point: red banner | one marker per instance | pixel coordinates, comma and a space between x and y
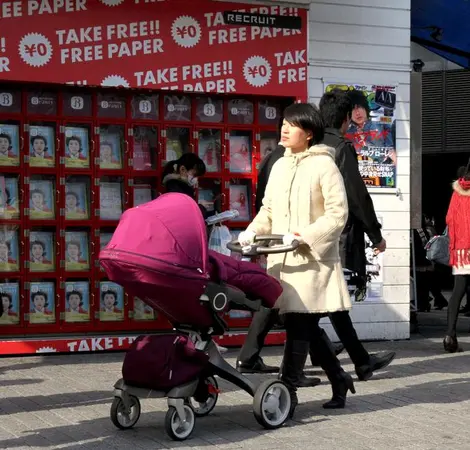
152, 44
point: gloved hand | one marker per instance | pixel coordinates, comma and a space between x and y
291, 237
246, 238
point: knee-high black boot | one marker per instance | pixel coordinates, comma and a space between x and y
295, 355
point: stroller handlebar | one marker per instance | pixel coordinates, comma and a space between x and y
263, 245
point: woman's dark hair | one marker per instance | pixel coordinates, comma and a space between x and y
188, 160
10, 299
110, 292
335, 108
41, 138
307, 117
463, 172
358, 98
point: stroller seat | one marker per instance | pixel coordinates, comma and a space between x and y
248, 277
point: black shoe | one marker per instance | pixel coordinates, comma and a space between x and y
340, 392
258, 367
305, 381
338, 348
440, 304
451, 344
376, 362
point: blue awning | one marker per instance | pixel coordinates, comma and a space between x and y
449, 21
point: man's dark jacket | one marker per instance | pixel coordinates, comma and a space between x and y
362, 217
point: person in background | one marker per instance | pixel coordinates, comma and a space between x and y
458, 222
306, 202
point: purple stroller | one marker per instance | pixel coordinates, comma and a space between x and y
159, 253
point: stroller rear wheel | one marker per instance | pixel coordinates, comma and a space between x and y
204, 408
122, 416
271, 404
179, 429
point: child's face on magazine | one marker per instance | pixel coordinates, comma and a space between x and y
37, 251
106, 152
3, 251
39, 302
4, 144
109, 301
5, 303
38, 200
71, 201
38, 146
74, 147
74, 301
73, 251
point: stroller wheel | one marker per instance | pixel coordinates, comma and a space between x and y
178, 429
123, 417
271, 404
202, 409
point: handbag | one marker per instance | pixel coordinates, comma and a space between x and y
437, 249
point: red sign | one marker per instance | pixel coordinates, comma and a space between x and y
152, 44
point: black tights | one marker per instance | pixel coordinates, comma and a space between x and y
461, 283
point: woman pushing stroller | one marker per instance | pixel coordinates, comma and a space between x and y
305, 200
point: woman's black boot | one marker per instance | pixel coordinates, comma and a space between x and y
340, 387
295, 355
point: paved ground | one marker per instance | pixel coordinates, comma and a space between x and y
421, 402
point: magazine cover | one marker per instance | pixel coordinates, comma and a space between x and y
240, 154
42, 254
41, 199
3, 198
76, 201
269, 113
77, 301
104, 239
267, 145
9, 250
238, 195
77, 147
42, 304
10, 297
9, 198
209, 109
9, 145
145, 147
145, 107
77, 257
111, 302
142, 194
241, 111
210, 152
42, 146
110, 151
110, 201
142, 311
206, 199
177, 108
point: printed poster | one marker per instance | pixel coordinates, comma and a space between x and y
76, 201
77, 301
111, 302
77, 256
240, 154
77, 150
9, 208
42, 302
10, 304
152, 45
42, 146
110, 151
142, 311
110, 201
372, 131
9, 254
42, 255
142, 194
9, 145
239, 200
41, 199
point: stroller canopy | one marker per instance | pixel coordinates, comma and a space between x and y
167, 235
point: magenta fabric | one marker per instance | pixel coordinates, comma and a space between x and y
246, 276
163, 362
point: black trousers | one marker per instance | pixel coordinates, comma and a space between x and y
261, 324
461, 284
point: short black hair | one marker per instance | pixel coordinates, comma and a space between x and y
188, 160
463, 172
335, 108
307, 117
359, 99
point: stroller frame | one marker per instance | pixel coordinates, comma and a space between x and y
271, 398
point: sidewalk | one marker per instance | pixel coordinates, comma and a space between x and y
421, 402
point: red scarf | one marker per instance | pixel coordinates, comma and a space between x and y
458, 220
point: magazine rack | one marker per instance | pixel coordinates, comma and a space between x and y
72, 160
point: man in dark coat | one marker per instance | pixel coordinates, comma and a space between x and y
336, 109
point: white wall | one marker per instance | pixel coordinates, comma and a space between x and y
369, 41
432, 62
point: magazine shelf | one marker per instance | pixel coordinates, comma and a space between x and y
73, 160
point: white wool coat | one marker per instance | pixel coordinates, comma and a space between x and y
305, 194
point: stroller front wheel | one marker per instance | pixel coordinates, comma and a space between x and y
202, 409
271, 404
122, 416
179, 428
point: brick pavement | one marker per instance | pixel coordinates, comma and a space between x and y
421, 402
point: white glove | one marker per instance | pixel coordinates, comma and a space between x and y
291, 237
246, 238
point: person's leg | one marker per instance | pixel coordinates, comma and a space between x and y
460, 287
295, 352
341, 382
435, 286
337, 348
249, 360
